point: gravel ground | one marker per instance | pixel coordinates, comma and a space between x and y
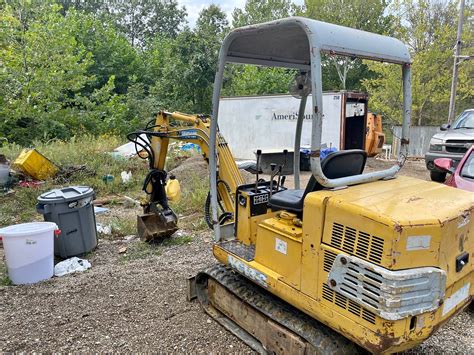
136, 301
118, 305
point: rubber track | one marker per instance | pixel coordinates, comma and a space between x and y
323, 339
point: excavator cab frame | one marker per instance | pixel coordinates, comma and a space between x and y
299, 43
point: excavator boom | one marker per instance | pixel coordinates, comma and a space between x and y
158, 220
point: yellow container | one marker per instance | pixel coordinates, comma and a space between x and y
32, 163
173, 189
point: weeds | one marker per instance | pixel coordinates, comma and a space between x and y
94, 154
123, 227
141, 250
4, 279
179, 240
194, 194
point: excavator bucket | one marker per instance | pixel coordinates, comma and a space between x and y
153, 227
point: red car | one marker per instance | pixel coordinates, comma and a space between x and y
462, 176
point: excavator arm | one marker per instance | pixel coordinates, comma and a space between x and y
158, 220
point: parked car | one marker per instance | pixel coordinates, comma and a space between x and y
463, 175
452, 142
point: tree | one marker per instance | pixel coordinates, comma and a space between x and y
251, 80
141, 20
44, 67
366, 15
429, 29
188, 63
50, 86
212, 23
258, 11
112, 54
254, 80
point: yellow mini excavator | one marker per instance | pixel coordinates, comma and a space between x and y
352, 262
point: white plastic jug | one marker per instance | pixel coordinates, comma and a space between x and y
29, 251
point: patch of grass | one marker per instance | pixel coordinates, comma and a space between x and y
94, 154
122, 227
89, 254
193, 196
4, 279
178, 240
195, 222
140, 250
20, 206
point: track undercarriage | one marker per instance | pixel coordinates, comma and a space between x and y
264, 322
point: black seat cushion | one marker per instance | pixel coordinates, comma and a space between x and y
290, 200
336, 165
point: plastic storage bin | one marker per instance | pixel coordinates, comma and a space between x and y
305, 161
34, 164
72, 210
29, 251
4, 174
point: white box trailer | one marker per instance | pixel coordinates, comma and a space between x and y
269, 121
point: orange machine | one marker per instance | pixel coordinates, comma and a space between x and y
375, 137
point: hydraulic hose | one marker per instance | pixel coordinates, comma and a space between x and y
225, 216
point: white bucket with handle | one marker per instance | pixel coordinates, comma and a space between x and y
29, 251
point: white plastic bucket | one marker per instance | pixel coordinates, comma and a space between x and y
29, 249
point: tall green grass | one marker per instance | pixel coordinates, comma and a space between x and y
94, 154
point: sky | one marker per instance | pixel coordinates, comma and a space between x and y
193, 7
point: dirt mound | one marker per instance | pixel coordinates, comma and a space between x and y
189, 169
197, 166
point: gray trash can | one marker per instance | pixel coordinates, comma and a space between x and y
72, 210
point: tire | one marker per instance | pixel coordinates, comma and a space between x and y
437, 176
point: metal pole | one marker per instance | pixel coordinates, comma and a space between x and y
299, 128
457, 50
213, 159
407, 102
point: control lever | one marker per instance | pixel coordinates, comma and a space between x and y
272, 175
259, 153
280, 168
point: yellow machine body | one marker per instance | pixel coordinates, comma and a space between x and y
378, 222
398, 224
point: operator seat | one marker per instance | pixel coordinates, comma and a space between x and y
336, 165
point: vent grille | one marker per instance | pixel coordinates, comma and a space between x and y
358, 243
347, 304
329, 257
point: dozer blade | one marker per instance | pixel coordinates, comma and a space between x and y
152, 226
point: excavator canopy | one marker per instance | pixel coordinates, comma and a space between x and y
299, 43
289, 43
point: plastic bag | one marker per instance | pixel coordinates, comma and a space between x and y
70, 266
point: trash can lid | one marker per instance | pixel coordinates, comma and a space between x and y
66, 194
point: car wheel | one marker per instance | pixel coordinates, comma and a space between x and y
437, 176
